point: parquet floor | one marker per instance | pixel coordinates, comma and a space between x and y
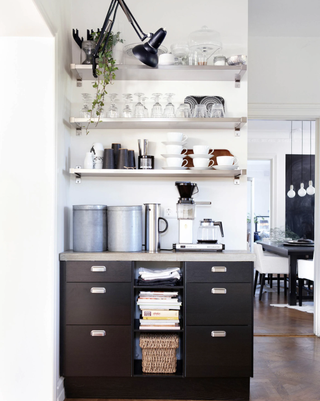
286, 354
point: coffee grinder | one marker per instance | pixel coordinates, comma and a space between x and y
186, 213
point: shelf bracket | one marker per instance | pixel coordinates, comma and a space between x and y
78, 175
79, 82
78, 130
237, 130
236, 179
237, 80
78, 178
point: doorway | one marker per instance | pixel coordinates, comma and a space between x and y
269, 145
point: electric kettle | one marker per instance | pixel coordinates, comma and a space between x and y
206, 232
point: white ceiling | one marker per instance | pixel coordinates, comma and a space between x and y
295, 18
22, 18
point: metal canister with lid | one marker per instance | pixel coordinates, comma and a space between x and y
124, 228
89, 228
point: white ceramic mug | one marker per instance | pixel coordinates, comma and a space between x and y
175, 150
226, 160
176, 162
176, 137
202, 162
202, 150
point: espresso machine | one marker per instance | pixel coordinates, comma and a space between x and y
186, 213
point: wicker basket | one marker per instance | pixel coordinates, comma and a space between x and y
159, 353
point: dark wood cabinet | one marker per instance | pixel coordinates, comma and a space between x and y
99, 353
219, 351
218, 303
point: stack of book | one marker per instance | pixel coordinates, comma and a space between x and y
159, 310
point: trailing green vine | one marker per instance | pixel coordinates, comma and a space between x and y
105, 76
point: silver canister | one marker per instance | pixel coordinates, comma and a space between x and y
89, 228
152, 227
124, 228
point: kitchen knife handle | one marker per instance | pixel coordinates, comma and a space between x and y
218, 269
96, 269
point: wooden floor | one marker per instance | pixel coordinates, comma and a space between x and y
286, 354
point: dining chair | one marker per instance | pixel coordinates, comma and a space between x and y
305, 272
266, 263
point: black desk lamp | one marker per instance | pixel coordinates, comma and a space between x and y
147, 52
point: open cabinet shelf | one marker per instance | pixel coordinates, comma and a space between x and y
235, 123
91, 173
167, 72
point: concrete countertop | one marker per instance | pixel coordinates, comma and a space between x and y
163, 256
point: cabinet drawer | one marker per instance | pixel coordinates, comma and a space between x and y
98, 303
222, 303
107, 354
219, 272
112, 272
219, 351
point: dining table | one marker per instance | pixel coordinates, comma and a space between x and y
293, 252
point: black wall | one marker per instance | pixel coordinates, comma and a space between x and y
300, 210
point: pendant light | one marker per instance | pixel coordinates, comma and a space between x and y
291, 193
302, 192
310, 190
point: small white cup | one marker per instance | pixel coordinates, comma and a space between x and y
176, 162
176, 137
202, 150
175, 150
226, 160
202, 162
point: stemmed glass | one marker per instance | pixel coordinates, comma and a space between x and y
139, 107
87, 99
127, 111
113, 110
156, 111
146, 112
169, 111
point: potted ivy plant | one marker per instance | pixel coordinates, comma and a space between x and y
105, 75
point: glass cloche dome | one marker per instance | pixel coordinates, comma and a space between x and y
205, 42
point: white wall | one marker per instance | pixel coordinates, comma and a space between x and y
27, 221
228, 200
35, 104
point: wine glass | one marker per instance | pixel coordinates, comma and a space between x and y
146, 111
169, 110
156, 111
127, 111
139, 107
113, 110
87, 100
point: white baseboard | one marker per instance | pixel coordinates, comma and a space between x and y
60, 390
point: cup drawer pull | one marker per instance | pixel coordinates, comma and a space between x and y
218, 334
218, 290
97, 269
98, 333
97, 290
218, 269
